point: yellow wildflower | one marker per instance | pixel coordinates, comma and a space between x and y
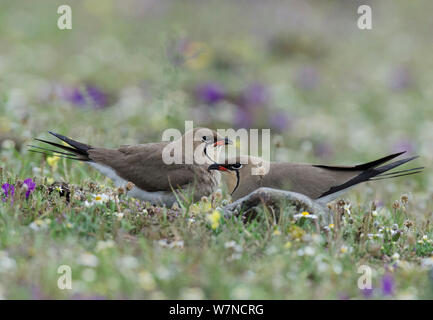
146, 280
305, 213
207, 206
296, 232
52, 161
276, 232
214, 219
5, 124
331, 226
288, 245
197, 55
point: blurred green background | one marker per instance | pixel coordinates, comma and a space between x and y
301, 68
330, 92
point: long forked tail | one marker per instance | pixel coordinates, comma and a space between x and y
376, 173
364, 166
75, 150
395, 174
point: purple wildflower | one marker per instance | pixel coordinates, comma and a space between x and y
387, 284
323, 150
90, 96
403, 145
367, 293
74, 96
30, 186
279, 121
400, 79
255, 95
343, 296
243, 118
37, 293
98, 97
307, 78
210, 93
8, 190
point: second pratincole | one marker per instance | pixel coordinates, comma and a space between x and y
320, 182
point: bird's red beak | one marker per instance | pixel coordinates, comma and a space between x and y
216, 166
222, 142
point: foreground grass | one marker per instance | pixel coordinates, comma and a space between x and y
118, 247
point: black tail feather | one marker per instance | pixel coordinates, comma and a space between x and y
61, 146
59, 156
77, 145
75, 150
53, 151
364, 166
401, 171
387, 167
373, 174
395, 176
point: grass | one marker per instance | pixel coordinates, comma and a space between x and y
345, 101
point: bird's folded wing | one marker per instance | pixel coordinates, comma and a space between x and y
143, 165
309, 180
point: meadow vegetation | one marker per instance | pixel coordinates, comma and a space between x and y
331, 94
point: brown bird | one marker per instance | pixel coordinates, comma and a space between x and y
144, 166
320, 182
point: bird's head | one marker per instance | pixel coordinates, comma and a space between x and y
243, 167
207, 141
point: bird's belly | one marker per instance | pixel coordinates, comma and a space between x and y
110, 173
158, 197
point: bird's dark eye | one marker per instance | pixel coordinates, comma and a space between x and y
237, 166
204, 138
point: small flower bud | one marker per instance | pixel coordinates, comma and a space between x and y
408, 223
129, 186
175, 206
218, 194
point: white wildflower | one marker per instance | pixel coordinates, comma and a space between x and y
191, 294
233, 245
347, 208
146, 280
101, 198
128, 262
395, 256
88, 275
6, 263
102, 245
88, 259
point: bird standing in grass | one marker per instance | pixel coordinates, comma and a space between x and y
143, 164
320, 182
